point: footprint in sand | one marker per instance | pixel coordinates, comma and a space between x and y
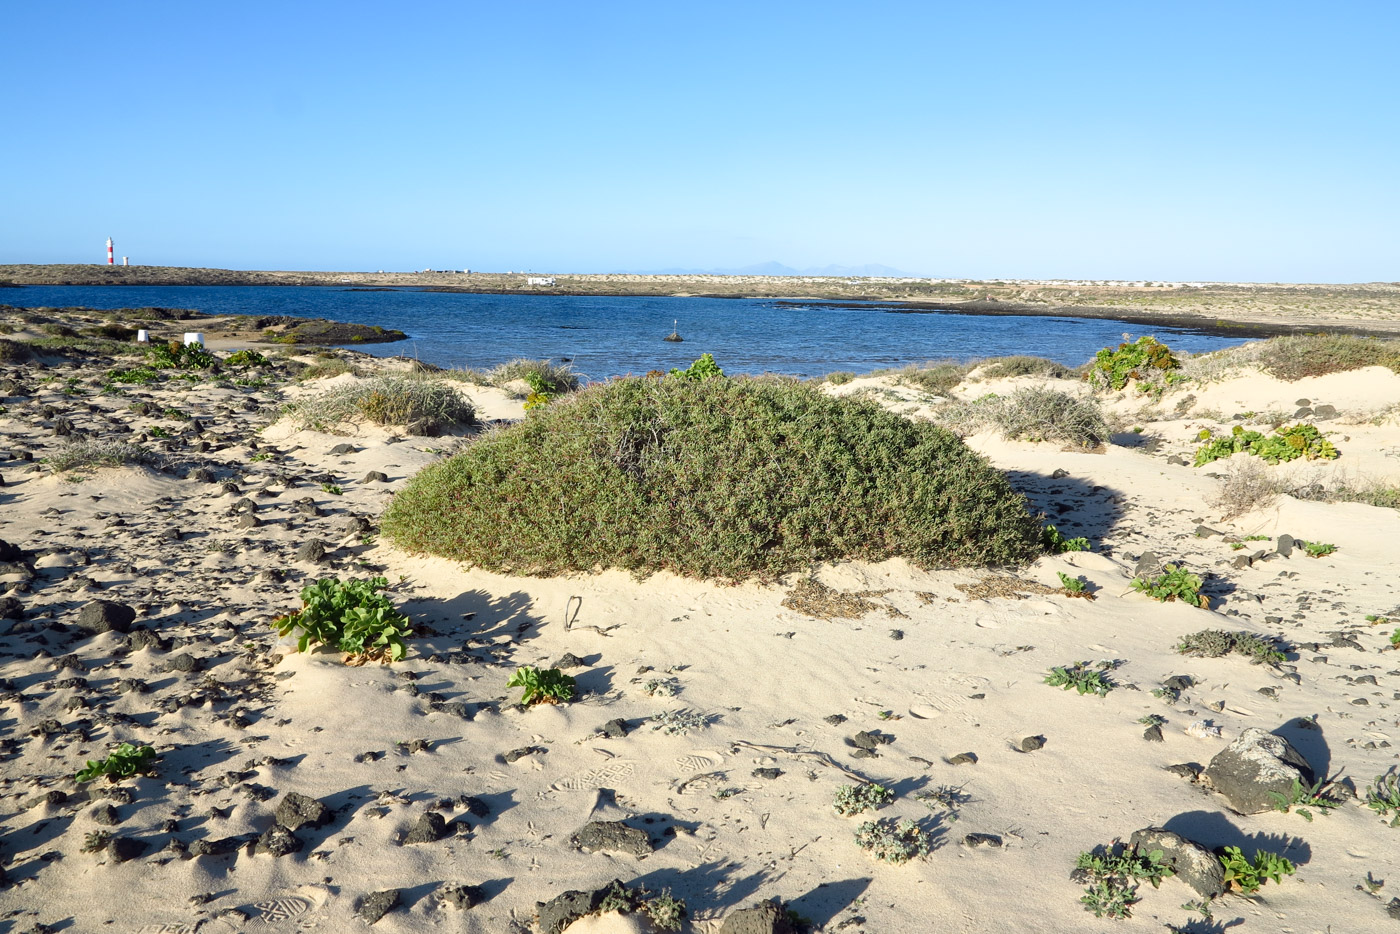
187, 928
596, 778
698, 762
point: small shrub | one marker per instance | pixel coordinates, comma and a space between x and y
542, 685
839, 378
716, 478
1174, 583
856, 799
123, 762
332, 489
1032, 414
1292, 358
247, 358
938, 377
1074, 586
1248, 486
703, 368
383, 400
1003, 367
1246, 877
177, 356
893, 842
1144, 358
556, 379
1081, 677
14, 351
665, 911
78, 454
111, 331
1318, 549
354, 616
678, 722
1285, 444
1111, 873
1213, 643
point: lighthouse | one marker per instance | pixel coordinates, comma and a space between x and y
110, 260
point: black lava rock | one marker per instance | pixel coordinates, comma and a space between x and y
105, 616
298, 810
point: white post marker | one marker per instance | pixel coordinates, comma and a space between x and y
143, 336
194, 337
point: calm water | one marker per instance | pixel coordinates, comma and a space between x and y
605, 336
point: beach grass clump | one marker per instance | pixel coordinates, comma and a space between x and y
1032, 414
1003, 367
938, 377
555, 378
717, 478
1295, 357
1248, 486
79, 454
429, 405
14, 351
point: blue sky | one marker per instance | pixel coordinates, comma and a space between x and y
1172, 140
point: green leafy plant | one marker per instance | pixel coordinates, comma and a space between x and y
703, 368
1174, 583
1112, 873
542, 685
332, 489
96, 841
1056, 543
156, 431
1303, 797
1076, 586
1137, 360
174, 355
136, 374
1246, 877
1285, 444
665, 911
123, 762
247, 358
856, 799
1081, 677
1383, 796
893, 842
1318, 549
353, 615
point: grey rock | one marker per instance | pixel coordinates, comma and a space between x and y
1153, 734
121, 849
297, 810
203, 475
763, 918
614, 729
106, 815
1205, 531
429, 828
964, 758
248, 521
1032, 743
1303, 402
1324, 412
145, 639
423, 428
475, 806
982, 839
871, 740
278, 841
1255, 765
11, 608
312, 550
769, 774
376, 905
460, 896
613, 837
1176, 460
184, 662
835, 719
1149, 565
1059, 474
568, 660
344, 449
1193, 863
376, 476
9, 552
517, 754
562, 910
1286, 544
105, 616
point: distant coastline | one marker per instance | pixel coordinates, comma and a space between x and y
1240, 309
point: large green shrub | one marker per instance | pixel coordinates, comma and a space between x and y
725, 478
1294, 357
1140, 359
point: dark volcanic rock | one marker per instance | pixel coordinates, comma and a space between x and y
313, 550
298, 810
1032, 743
11, 608
568, 660
460, 896
769, 774
377, 904
562, 910
376, 476
613, 837
763, 918
106, 815
121, 849
105, 616
278, 841
981, 839
429, 828
614, 729
184, 662
1193, 863
1252, 767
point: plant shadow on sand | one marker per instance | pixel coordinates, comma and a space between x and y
480, 617
1076, 507
1212, 830
718, 885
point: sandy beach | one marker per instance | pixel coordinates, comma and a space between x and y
137, 603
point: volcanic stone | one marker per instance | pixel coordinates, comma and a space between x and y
460, 896
105, 616
1253, 767
298, 810
612, 836
378, 904
278, 841
121, 849
763, 918
1193, 863
428, 829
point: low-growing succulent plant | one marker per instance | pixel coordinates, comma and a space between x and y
1318, 549
353, 615
542, 685
1081, 677
123, 762
1213, 643
1383, 796
1112, 873
856, 799
891, 841
1303, 797
676, 722
1056, 543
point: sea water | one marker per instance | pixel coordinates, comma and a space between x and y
605, 336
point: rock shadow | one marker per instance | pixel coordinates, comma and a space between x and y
718, 885
1307, 737
828, 899
1213, 830
479, 617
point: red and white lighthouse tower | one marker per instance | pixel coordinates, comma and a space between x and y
110, 260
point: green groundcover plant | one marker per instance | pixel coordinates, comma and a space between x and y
123, 762
1285, 444
1142, 358
728, 478
542, 685
1174, 583
354, 616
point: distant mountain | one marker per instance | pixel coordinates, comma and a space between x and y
774, 268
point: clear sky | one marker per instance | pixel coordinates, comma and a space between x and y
1130, 139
